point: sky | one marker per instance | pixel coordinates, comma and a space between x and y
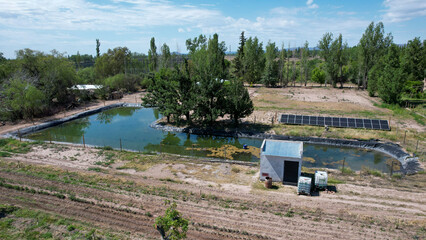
74, 25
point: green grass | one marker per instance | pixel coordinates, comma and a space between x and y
403, 113
5, 154
40, 225
9, 146
333, 181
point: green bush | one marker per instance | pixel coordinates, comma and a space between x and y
145, 82
368, 171
120, 81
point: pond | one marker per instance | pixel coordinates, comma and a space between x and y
130, 127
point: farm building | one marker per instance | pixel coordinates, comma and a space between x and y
281, 161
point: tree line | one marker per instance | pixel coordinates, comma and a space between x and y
202, 83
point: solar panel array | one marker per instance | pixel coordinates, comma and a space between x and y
336, 122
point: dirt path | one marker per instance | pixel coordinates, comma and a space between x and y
124, 200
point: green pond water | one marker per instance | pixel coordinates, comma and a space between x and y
131, 125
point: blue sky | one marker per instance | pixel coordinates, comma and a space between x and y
73, 25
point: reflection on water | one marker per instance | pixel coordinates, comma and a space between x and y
131, 126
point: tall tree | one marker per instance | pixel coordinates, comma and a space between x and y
254, 60
413, 64
339, 57
372, 46
282, 65
112, 62
270, 75
288, 64
238, 102
304, 62
392, 79
78, 60
211, 90
326, 53
165, 56
98, 44
152, 56
162, 93
239, 58
187, 92
2, 58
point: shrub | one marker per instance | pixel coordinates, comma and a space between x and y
235, 170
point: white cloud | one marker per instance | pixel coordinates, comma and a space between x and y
84, 15
311, 4
403, 10
181, 30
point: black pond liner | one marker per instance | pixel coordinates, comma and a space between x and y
409, 164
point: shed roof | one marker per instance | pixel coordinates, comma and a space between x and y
282, 148
86, 87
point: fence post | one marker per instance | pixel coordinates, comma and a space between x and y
121, 147
84, 143
19, 135
405, 135
343, 165
417, 145
391, 173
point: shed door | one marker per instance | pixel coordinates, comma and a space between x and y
291, 172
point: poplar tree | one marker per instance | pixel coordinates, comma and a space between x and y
165, 56
326, 53
372, 46
152, 56
98, 44
254, 61
270, 75
392, 79
413, 63
304, 62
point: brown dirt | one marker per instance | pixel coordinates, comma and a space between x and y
223, 201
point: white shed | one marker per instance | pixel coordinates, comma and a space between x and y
281, 160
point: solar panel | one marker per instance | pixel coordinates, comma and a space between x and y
321, 121
335, 122
284, 118
367, 124
327, 121
376, 124
384, 125
291, 119
359, 123
344, 122
313, 120
351, 123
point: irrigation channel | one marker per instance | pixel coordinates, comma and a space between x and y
129, 128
